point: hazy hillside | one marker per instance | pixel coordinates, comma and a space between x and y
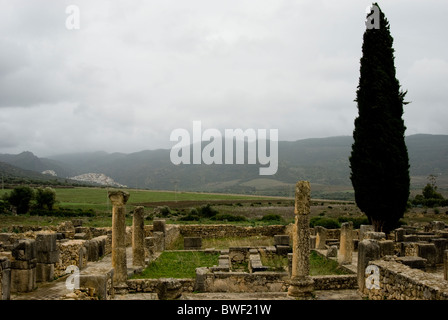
322, 161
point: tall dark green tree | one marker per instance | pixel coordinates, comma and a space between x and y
379, 159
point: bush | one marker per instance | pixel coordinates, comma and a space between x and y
20, 197
190, 217
63, 212
45, 197
207, 211
356, 221
271, 217
228, 217
328, 223
163, 211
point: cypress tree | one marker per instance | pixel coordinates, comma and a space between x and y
379, 159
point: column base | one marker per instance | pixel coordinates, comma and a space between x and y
301, 287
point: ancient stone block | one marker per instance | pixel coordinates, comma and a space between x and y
346, 243
281, 240
159, 241
159, 225
428, 252
332, 252
44, 272
321, 237
399, 234
138, 237
192, 243
368, 250
25, 250
387, 247
48, 256
23, 280
46, 241
441, 245
283, 250
374, 235
412, 262
5, 278
363, 229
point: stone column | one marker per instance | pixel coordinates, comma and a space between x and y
346, 243
138, 237
321, 237
119, 199
445, 265
301, 284
368, 250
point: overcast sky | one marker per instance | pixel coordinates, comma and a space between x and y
136, 70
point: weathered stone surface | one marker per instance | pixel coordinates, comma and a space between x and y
44, 272
138, 237
301, 284
23, 280
346, 243
5, 278
363, 229
119, 199
24, 250
159, 225
281, 240
368, 250
192, 243
321, 237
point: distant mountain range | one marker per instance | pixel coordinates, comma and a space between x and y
322, 161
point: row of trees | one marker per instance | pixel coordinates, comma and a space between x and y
23, 198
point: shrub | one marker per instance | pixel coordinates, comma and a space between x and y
228, 217
20, 197
190, 217
328, 223
45, 197
271, 217
356, 221
163, 211
207, 211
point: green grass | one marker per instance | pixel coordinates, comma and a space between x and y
178, 265
320, 266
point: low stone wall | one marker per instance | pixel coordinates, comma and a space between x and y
166, 288
335, 282
220, 231
396, 281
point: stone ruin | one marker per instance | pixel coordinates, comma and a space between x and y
409, 263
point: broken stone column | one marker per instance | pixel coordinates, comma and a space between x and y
150, 248
445, 265
5, 278
119, 199
23, 266
47, 256
368, 250
138, 237
301, 284
321, 237
346, 243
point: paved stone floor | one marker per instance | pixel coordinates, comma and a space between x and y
56, 289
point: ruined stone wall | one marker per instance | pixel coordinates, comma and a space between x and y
220, 231
166, 288
400, 282
335, 282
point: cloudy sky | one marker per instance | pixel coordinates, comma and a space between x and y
136, 70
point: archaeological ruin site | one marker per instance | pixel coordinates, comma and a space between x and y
73, 262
